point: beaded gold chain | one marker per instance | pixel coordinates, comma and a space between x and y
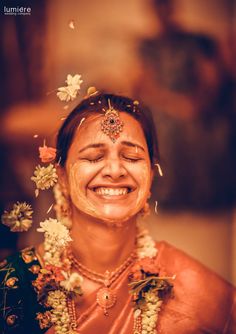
106, 297
72, 314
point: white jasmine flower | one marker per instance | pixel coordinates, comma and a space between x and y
74, 80
69, 92
146, 247
71, 25
56, 297
55, 231
60, 316
151, 297
74, 281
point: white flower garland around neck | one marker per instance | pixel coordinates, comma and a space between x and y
67, 284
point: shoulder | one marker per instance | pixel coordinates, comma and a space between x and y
188, 268
199, 292
18, 301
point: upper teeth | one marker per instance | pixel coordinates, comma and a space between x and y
111, 191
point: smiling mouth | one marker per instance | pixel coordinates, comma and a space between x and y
105, 191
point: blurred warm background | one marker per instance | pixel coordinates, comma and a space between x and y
175, 55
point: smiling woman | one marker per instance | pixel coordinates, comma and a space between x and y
103, 272
117, 172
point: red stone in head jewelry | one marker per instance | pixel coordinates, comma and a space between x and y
111, 124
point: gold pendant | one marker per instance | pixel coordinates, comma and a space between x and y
106, 298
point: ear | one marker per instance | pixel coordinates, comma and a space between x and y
63, 180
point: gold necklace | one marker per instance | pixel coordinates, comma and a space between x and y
106, 297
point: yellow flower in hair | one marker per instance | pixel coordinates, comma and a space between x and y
19, 219
45, 177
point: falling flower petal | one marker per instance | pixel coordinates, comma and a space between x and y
92, 91
156, 203
159, 169
59, 161
52, 91
35, 136
72, 24
50, 208
82, 120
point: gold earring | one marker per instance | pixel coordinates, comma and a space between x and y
145, 211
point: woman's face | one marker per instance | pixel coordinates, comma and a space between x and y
108, 181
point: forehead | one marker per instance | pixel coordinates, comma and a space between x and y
90, 132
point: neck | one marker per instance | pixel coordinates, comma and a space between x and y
99, 246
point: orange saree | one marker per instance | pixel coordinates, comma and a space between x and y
202, 302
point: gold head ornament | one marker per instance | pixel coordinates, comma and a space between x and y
111, 124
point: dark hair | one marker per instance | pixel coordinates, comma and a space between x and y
98, 104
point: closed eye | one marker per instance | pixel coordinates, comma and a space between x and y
132, 159
93, 160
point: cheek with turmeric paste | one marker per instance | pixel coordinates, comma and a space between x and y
77, 188
144, 190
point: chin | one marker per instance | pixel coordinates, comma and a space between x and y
113, 216
115, 222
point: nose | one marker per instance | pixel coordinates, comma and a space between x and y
114, 169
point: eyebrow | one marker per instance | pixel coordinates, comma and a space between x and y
130, 144
101, 145
98, 145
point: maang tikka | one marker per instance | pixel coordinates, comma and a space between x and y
111, 124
